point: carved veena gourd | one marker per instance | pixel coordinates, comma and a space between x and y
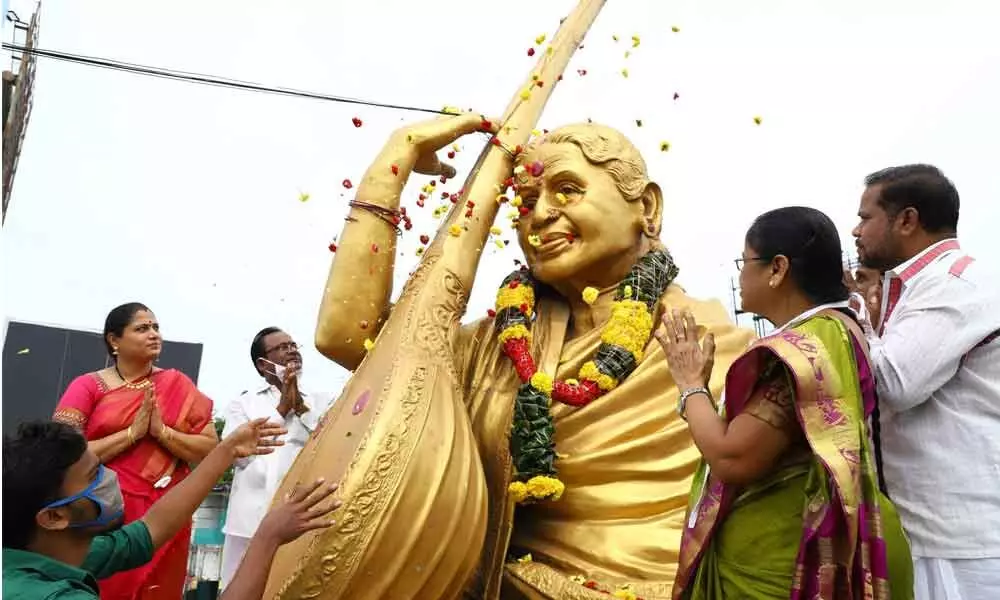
398, 440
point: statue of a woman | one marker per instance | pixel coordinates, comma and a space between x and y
446, 434
626, 459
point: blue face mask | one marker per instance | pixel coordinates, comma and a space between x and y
105, 492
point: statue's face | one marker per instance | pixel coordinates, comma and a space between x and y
579, 230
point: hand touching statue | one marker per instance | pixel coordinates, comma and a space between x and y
690, 362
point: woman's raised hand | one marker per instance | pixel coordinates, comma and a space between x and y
690, 362
140, 424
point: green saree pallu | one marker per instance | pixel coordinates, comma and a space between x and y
819, 528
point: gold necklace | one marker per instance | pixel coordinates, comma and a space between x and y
140, 383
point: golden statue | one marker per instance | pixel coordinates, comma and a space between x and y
420, 439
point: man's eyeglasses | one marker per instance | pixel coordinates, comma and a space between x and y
284, 347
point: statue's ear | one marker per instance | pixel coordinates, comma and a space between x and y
652, 210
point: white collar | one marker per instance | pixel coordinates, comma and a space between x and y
916, 263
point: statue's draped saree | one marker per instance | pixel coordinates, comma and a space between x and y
626, 459
820, 528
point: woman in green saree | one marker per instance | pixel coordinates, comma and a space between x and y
786, 502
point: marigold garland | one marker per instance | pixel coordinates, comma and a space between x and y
622, 342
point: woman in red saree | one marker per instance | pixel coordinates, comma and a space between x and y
787, 501
148, 425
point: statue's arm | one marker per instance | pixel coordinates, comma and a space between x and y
359, 285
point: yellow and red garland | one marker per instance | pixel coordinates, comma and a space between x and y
622, 342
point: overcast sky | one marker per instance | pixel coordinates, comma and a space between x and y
186, 197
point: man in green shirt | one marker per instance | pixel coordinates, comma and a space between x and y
62, 513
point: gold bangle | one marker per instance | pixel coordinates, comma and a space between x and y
131, 436
165, 432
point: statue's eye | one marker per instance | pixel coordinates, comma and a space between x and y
568, 189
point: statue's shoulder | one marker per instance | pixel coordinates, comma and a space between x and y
709, 313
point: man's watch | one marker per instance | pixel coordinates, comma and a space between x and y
682, 401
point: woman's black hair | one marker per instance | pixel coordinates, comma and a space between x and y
809, 239
118, 319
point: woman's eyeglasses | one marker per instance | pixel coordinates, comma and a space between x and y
741, 262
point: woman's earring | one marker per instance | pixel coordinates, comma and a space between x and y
773, 283
114, 351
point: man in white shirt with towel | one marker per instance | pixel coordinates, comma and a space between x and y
276, 357
936, 350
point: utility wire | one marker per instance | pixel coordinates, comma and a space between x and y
201, 78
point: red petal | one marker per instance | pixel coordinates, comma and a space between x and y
491, 313
531, 51
424, 239
395, 169
332, 246
375, 248
356, 121
347, 184
451, 154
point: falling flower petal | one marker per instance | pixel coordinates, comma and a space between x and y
549, 50
535, 132
627, 54
347, 184
625, 73
369, 344
357, 122
424, 239
638, 122
495, 230
614, 37
531, 51
499, 243
451, 110
420, 251
675, 29
676, 95
590, 294
534, 240
394, 169
517, 201
635, 41
24, 351
540, 40
664, 146
757, 120
455, 230
332, 246
581, 72
303, 197
525, 94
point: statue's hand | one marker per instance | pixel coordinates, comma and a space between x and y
427, 137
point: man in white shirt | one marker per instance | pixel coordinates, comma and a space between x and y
937, 363
276, 357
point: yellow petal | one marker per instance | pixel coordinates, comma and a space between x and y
675, 29
664, 146
455, 230
590, 294
534, 240
561, 197
625, 73
369, 344
516, 201
303, 197
499, 243
451, 110
757, 120
525, 94
539, 40
495, 230
635, 41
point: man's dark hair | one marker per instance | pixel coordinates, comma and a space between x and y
257, 345
923, 187
35, 462
810, 241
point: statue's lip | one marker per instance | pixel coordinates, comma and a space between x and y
557, 235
